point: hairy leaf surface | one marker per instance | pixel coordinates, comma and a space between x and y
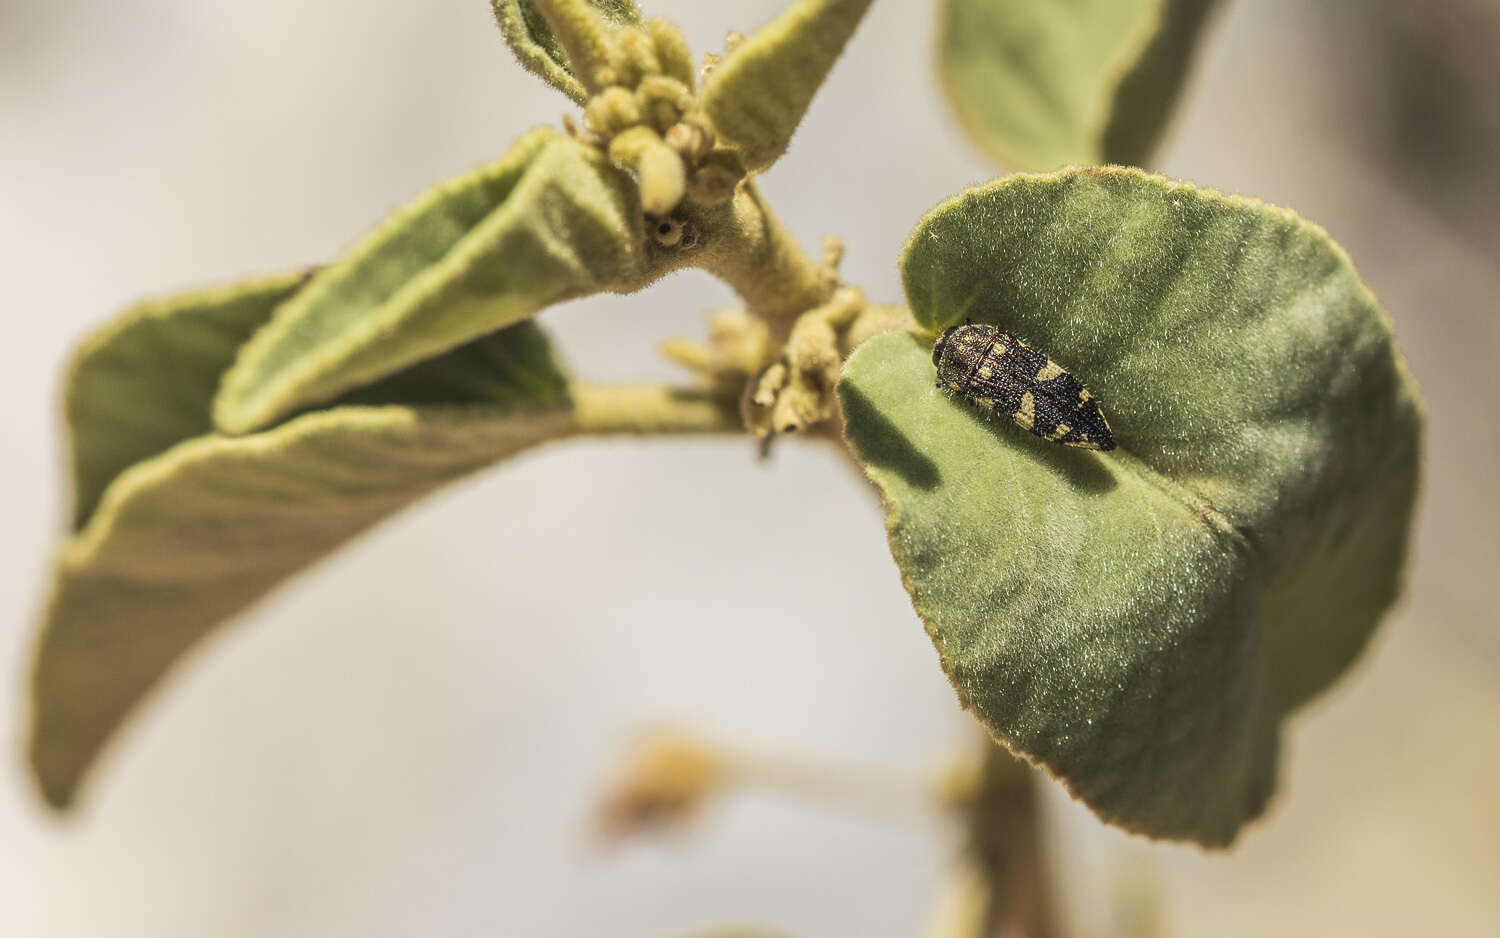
1039, 83
537, 49
146, 381
1140, 621
757, 94
550, 221
190, 534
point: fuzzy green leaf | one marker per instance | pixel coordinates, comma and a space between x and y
147, 380
550, 221
1140, 621
1039, 84
538, 50
757, 94
196, 531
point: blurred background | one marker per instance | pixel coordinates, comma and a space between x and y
410, 739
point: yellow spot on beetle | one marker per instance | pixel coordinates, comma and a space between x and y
1059, 433
1049, 371
1026, 416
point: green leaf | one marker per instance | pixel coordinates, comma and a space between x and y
1039, 84
757, 94
537, 48
550, 221
146, 381
188, 537
1139, 622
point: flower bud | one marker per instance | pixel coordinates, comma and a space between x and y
633, 56
663, 101
672, 51
611, 111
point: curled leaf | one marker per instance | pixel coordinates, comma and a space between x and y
550, 221
1038, 84
756, 95
1139, 622
146, 381
537, 47
191, 534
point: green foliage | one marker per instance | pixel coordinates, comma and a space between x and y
147, 380
1040, 84
1139, 622
550, 221
204, 525
757, 94
537, 48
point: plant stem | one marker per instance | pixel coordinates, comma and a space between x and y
640, 409
671, 776
855, 789
750, 250
1005, 847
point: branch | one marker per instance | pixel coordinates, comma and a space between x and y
642, 409
747, 247
1005, 862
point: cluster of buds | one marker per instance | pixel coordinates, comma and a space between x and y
645, 114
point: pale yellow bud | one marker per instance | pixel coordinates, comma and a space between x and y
657, 167
672, 51
690, 137
611, 111
662, 101
633, 56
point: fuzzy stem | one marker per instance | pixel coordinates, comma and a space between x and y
642, 409
765, 265
849, 788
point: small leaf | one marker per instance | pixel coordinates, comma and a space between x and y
537, 48
757, 94
184, 539
1139, 622
549, 222
146, 381
1038, 84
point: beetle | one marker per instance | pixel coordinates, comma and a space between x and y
1004, 375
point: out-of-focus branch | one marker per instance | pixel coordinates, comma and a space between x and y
1000, 886
670, 778
647, 409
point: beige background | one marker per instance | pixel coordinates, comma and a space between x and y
407, 740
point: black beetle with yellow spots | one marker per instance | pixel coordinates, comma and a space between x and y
1006, 376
